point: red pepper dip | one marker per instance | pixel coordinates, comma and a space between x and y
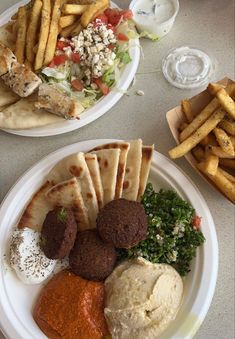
71, 307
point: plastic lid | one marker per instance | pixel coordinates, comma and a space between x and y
186, 67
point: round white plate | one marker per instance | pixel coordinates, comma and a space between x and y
93, 113
17, 299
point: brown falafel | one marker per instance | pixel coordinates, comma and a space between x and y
91, 258
122, 223
58, 233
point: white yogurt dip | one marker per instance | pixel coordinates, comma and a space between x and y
154, 16
27, 259
186, 67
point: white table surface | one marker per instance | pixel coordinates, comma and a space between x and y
208, 25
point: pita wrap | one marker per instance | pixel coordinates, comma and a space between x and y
36, 210
124, 148
6, 37
68, 194
147, 154
132, 173
75, 166
108, 163
7, 97
24, 115
93, 166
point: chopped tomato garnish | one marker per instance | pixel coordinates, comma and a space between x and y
102, 86
102, 18
114, 16
127, 14
196, 221
62, 44
122, 37
77, 85
58, 60
111, 46
75, 57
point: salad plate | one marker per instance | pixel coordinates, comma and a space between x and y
92, 113
17, 299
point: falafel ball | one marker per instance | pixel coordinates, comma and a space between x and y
91, 258
122, 223
58, 233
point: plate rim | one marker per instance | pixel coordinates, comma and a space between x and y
200, 200
93, 112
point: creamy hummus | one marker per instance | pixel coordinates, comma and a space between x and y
142, 299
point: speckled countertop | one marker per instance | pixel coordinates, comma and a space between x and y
208, 25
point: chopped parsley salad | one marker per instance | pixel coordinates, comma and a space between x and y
173, 231
88, 65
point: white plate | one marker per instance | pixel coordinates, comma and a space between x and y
93, 113
17, 299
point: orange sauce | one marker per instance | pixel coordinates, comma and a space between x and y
70, 307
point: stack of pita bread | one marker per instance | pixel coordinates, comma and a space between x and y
85, 182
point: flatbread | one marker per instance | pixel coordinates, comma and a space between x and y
108, 163
132, 173
68, 194
124, 148
75, 166
6, 37
36, 210
24, 115
147, 154
7, 97
93, 166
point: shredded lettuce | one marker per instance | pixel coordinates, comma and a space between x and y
109, 77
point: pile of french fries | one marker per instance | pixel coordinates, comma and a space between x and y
37, 25
210, 136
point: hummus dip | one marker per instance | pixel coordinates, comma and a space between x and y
142, 298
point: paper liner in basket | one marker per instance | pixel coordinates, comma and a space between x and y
175, 117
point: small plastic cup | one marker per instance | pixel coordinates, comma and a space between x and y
154, 17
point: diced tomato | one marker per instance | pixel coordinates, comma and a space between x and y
77, 85
196, 221
58, 60
111, 46
109, 26
127, 14
62, 44
122, 37
114, 16
102, 18
102, 86
75, 57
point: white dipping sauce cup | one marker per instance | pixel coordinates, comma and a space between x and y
159, 21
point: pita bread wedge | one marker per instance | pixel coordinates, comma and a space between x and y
24, 115
6, 37
7, 97
68, 194
93, 166
108, 163
147, 154
75, 166
36, 210
132, 173
124, 148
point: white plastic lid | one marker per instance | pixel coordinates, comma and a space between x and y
186, 67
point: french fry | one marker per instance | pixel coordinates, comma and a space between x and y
43, 35
21, 35
53, 33
224, 140
77, 29
93, 10
187, 109
211, 164
232, 138
197, 136
224, 184
199, 119
226, 102
198, 153
228, 126
15, 16
66, 32
228, 163
67, 20
81, 2
217, 150
229, 176
31, 38
182, 126
209, 140
213, 88
74, 9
